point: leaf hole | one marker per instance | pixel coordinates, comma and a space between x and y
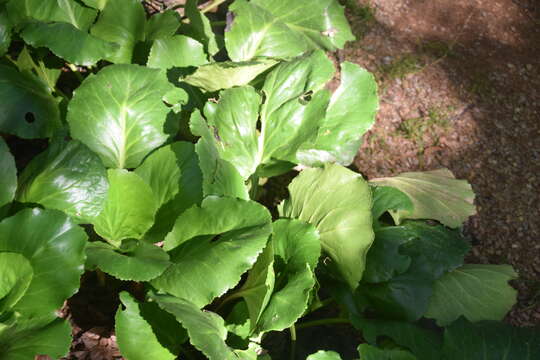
29, 117
306, 97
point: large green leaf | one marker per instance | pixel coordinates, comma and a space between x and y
96, 4
224, 75
66, 177
206, 330
140, 261
478, 292
214, 244
53, 340
66, 11
220, 177
351, 112
490, 340
174, 175
135, 337
296, 251
425, 344
162, 25
128, 211
199, 27
386, 198
15, 276
119, 113
279, 28
384, 260
122, 23
338, 202
29, 110
433, 250
8, 180
368, 352
66, 41
435, 195
176, 51
54, 246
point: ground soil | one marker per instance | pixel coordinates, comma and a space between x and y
459, 87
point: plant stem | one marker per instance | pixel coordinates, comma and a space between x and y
292, 329
322, 322
321, 304
212, 5
254, 189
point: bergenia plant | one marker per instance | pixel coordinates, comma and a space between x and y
137, 147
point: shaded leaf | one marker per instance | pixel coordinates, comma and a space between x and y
8, 180
386, 198
133, 333
324, 355
368, 352
66, 41
54, 246
338, 202
477, 292
140, 262
224, 75
119, 113
277, 28
176, 51
66, 177
29, 111
174, 175
128, 211
199, 28
162, 25
5, 32
122, 23
203, 267
435, 195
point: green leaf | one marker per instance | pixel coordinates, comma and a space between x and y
176, 51
133, 333
490, 340
296, 251
5, 32
224, 75
66, 177
128, 211
54, 246
162, 25
49, 76
478, 292
119, 113
206, 330
386, 198
338, 202
425, 344
64, 11
140, 262
15, 276
66, 41
203, 267
350, 114
324, 355
277, 28
53, 340
122, 23
384, 260
96, 4
258, 287
435, 195
433, 250
199, 28
368, 352
8, 180
30, 111
174, 175
220, 177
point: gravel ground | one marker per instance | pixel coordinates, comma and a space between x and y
459, 84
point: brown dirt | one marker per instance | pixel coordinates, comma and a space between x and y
459, 86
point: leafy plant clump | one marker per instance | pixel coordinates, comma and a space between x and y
158, 133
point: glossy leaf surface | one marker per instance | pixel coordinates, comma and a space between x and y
119, 113
15, 276
176, 51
